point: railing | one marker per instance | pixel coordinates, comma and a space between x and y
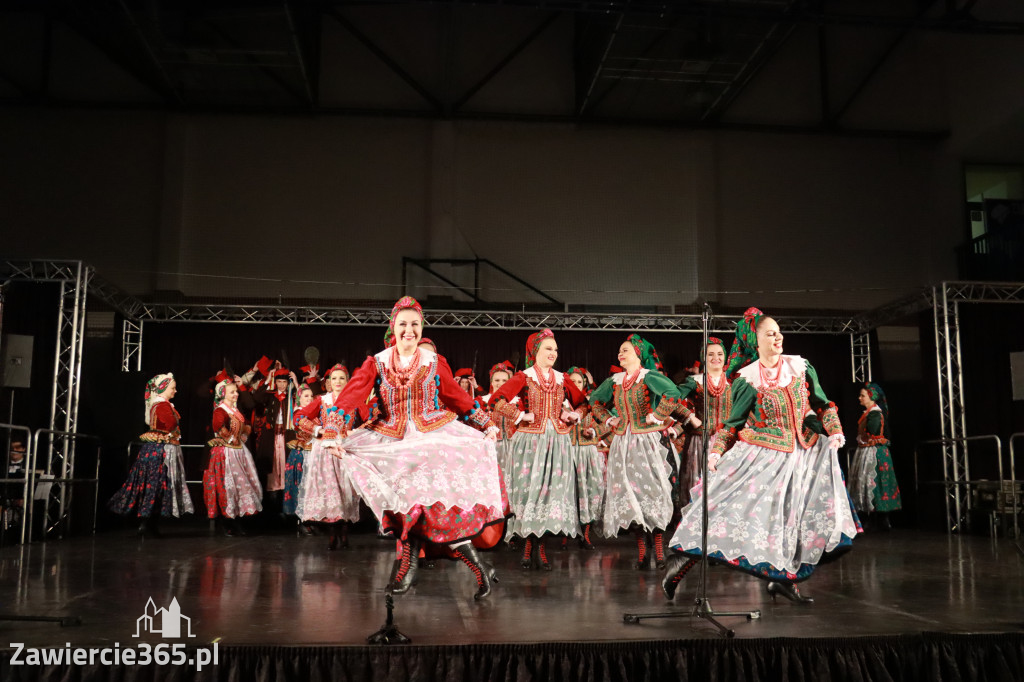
950, 486
26, 500
67, 478
993, 256
1013, 479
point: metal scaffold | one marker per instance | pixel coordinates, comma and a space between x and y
58, 460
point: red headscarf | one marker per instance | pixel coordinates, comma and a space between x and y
504, 366
533, 345
338, 366
404, 303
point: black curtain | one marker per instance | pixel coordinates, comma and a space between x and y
910, 658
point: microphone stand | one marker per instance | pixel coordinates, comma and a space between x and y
702, 606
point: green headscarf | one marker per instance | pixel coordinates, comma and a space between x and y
744, 347
878, 395
645, 351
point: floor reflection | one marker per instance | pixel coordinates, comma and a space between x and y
287, 590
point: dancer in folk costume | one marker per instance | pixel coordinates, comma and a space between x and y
590, 461
328, 495
156, 482
636, 403
543, 405
499, 375
272, 395
231, 486
467, 381
298, 449
873, 485
707, 397
426, 472
777, 504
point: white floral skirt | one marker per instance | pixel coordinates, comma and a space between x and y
326, 493
542, 484
638, 489
590, 472
454, 466
773, 514
231, 485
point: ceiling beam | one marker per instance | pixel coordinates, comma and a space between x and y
250, 60
310, 89
666, 30
582, 108
386, 59
778, 13
930, 135
879, 63
80, 25
150, 51
507, 59
770, 44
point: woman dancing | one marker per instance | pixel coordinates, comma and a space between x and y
542, 481
156, 482
636, 403
231, 486
428, 477
777, 504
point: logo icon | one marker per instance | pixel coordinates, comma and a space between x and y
165, 622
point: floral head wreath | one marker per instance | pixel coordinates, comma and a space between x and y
158, 384
404, 303
712, 341
154, 387
504, 366
220, 390
533, 345
645, 351
744, 347
336, 368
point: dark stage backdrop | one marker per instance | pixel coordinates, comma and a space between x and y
31, 309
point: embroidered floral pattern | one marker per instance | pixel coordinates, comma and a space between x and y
772, 513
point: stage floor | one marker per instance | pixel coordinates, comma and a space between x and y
283, 590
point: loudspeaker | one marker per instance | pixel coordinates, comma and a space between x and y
17, 355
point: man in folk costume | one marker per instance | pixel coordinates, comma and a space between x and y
271, 449
467, 381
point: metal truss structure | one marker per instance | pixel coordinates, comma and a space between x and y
860, 357
946, 299
73, 278
470, 319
